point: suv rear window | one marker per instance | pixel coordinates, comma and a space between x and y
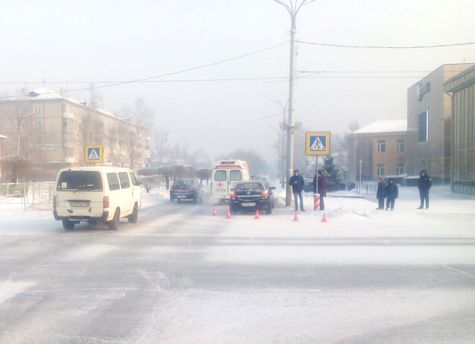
80, 180
248, 187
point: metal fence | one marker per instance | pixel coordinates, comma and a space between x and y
33, 195
366, 188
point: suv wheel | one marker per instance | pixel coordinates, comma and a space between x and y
68, 225
114, 223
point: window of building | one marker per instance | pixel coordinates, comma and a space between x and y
401, 146
381, 146
400, 169
381, 170
423, 129
37, 123
36, 108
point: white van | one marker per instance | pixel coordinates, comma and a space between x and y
225, 175
96, 194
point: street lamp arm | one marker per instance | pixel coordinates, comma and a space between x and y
290, 10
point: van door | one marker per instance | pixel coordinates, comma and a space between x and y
235, 176
220, 184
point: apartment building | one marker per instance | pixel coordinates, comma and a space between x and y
48, 131
381, 149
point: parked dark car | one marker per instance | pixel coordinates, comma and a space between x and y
251, 196
186, 189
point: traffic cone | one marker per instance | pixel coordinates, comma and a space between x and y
296, 217
258, 216
228, 213
214, 212
324, 218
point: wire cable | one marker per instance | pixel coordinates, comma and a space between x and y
385, 46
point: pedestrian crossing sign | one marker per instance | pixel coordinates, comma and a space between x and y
93, 154
317, 143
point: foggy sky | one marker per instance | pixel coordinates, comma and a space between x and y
108, 40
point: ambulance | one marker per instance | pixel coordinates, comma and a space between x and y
226, 173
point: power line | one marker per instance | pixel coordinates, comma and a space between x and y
185, 69
385, 46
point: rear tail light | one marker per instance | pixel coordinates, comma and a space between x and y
54, 202
264, 194
233, 195
105, 202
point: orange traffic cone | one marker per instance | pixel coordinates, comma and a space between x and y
228, 213
324, 218
214, 212
296, 217
258, 216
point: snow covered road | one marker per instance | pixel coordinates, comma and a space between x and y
183, 276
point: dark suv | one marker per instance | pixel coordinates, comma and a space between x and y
252, 195
186, 189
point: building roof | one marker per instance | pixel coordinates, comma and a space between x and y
46, 94
392, 126
461, 80
3, 137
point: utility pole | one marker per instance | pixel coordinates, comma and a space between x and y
293, 7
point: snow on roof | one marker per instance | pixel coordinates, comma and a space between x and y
392, 126
3, 137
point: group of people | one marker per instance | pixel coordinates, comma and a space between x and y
389, 192
386, 193
297, 183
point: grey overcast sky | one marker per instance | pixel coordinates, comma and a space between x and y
94, 41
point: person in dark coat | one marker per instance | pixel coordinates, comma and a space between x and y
424, 183
322, 187
381, 193
297, 183
391, 194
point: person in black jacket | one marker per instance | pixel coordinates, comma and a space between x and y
424, 183
322, 186
297, 183
381, 193
391, 194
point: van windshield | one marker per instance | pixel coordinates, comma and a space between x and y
80, 180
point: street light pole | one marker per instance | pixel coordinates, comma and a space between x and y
293, 7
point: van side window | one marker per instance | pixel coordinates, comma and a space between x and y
124, 180
220, 175
134, 179
235, 175
113, 181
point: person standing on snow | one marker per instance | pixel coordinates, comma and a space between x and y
381, 193
297, 183
391, 194
424, 183
322, 187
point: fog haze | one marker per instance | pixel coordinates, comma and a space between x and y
106, 41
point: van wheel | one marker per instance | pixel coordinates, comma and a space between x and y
68, 225
114, 223
135, 214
